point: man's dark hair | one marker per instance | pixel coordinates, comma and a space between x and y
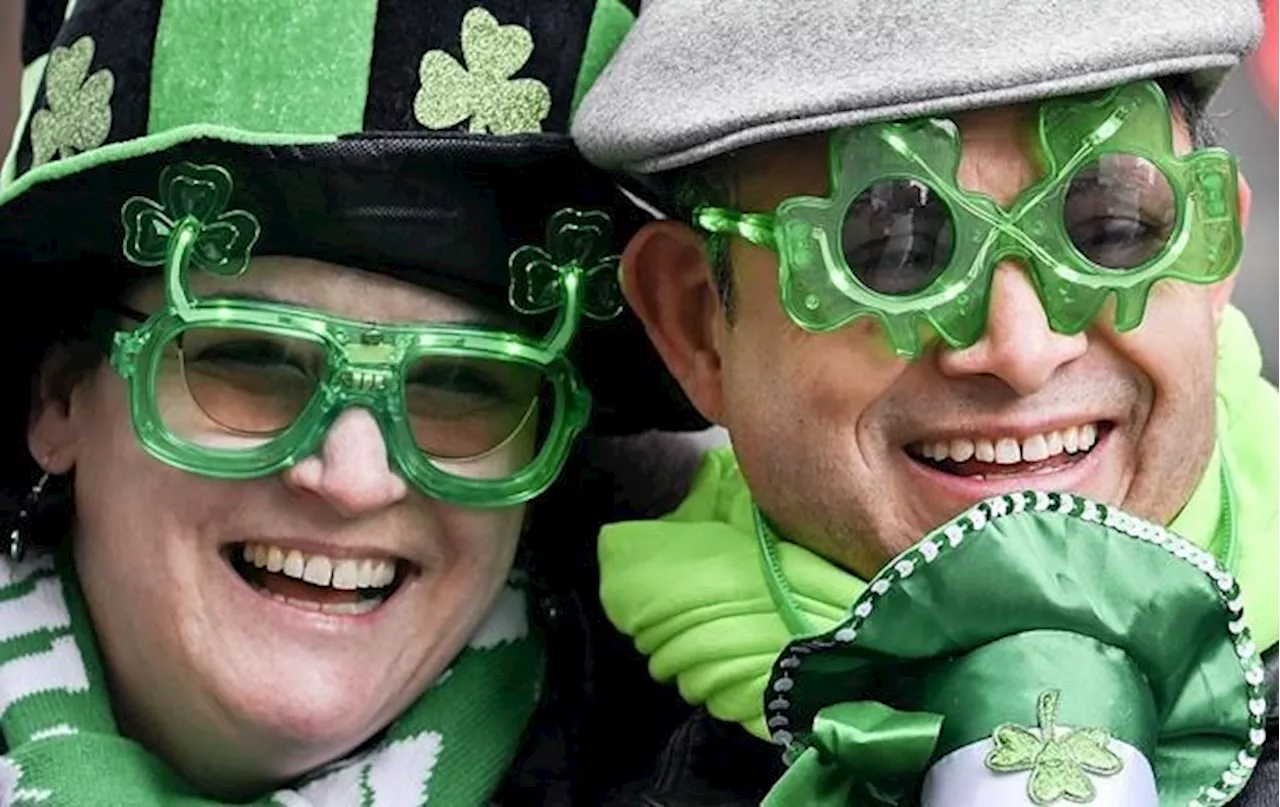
712, 182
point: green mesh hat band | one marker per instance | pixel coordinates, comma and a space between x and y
900, 241
234, 388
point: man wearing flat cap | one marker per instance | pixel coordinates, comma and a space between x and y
998, 521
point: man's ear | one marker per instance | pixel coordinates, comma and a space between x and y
668, 283
52, 428
1220, 293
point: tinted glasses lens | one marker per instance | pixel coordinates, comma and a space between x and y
462, 407
1120, 211
218, 383
898, 236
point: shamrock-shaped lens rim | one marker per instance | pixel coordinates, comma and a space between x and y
1203, 246
820, 293
365, 361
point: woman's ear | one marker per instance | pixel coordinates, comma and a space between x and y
52, 425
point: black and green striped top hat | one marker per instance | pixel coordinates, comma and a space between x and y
424, 140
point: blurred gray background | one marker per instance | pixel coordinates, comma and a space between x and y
1249, 130
1248, 126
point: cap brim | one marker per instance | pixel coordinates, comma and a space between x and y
695, 80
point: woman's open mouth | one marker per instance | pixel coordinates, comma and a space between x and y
992, 456
346, 586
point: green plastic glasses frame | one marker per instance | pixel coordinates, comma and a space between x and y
365, 362
820, 292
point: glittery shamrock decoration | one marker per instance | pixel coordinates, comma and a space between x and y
483, 90
576, 245
78, 116
1060, 763
197, 193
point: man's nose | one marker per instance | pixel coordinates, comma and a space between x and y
1018, 346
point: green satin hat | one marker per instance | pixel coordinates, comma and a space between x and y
1039, 649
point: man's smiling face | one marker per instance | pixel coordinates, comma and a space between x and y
856, 453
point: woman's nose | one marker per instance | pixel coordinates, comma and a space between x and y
351, 470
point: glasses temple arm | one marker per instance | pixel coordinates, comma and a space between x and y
758, 228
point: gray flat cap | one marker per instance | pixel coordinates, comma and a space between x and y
697, 78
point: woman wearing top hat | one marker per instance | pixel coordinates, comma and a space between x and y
313, 300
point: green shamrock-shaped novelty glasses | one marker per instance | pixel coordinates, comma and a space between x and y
898, 239
237, 388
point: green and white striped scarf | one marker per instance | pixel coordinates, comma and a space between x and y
449, 749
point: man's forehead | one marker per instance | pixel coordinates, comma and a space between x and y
998, 157
800, 164
1014, 123
343, 290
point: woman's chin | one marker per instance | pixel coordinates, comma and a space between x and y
269, 744
326, 707
278, 715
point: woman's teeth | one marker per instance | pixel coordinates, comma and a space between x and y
1010, 450
347, 574
351, 608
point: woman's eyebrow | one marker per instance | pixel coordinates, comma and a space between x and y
478, 319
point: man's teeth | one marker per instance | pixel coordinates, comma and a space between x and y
1010, 450
347, 574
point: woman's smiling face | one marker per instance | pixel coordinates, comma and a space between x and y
244, 677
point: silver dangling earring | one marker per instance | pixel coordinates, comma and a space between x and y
18, 534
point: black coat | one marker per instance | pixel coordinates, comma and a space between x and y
603, 720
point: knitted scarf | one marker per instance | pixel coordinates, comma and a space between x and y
450, 748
